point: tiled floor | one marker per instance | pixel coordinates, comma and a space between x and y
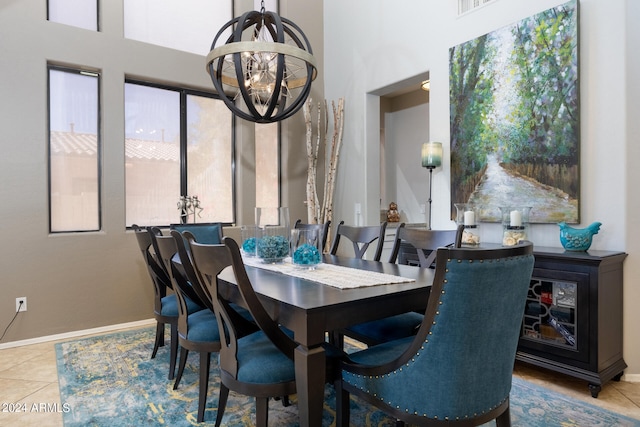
28, 377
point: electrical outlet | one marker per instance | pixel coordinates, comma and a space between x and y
24, 304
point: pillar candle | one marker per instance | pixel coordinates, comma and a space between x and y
516, 219
469, 218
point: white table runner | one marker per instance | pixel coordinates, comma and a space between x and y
331, 275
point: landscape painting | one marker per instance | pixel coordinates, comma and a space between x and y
514, 100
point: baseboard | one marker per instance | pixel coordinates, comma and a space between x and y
631, 378
76, 334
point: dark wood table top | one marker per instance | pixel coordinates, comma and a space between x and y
294, 301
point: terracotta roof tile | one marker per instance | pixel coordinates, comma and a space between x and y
85, 144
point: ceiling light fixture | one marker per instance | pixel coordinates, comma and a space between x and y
266, 64
426, 85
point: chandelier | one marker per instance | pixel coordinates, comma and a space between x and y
264, 69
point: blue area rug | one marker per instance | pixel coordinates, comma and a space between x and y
110, 380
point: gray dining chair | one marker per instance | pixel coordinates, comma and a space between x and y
165, 305
322, 228
360, 237
197, 328
204, 232
258, 364
425, 243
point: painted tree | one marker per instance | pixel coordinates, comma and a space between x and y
471, 102
545, 61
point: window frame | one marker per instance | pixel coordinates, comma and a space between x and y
98, 17
183, 92
87, 72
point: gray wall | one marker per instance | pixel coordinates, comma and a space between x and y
86, 280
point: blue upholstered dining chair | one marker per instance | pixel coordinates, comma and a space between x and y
209, 233
258, 364
165, 305
425, 242
197, 325
457, 369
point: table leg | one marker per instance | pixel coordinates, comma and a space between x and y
310, 364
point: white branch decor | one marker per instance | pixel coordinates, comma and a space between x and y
320, 213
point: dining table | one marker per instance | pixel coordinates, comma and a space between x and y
311, 309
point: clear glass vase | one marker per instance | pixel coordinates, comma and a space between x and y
515, 224
250, 235
272, 234
306, 247
468, 215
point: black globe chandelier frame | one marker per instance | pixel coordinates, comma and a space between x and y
264, 102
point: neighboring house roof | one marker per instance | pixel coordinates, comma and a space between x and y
85, 144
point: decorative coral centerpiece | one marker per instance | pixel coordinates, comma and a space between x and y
273, 249
577, 239
306, 248
272, 234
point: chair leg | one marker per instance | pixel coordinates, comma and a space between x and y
159, 342
205, 363
343, 409
222, 403
504, 419
336, 339
184, 353
174, 351
262, 411
285, 400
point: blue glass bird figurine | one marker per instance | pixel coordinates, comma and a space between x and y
577, 239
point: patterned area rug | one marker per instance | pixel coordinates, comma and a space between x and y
110, 380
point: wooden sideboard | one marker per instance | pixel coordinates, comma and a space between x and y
573, 319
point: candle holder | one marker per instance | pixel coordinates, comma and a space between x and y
515, 224
272, 240
468, 215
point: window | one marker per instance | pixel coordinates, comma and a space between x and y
74, 150
267, 165
267, 144
78, 13
177, 143
465, 6
187, 25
